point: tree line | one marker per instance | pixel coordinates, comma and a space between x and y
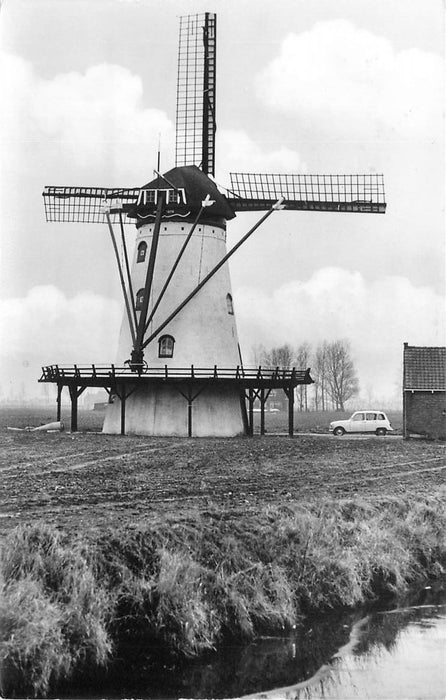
332, 369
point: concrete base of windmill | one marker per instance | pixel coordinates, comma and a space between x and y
160, 409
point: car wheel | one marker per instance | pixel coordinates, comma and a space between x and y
381, 431
338, 431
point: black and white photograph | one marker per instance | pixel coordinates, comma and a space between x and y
222, 349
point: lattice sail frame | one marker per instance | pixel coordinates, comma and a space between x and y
195, 115
349, 193
86, 205
249, 192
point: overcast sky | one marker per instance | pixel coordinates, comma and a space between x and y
303, 86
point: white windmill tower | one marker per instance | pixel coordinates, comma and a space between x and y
179, 369
202, 334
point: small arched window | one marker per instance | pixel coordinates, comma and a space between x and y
142, 249
139, 299
165, 346
229, 304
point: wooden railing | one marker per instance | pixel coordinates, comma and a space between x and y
55, 373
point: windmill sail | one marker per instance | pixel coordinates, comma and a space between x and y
343, 193
86, 204
195, 118
248, 192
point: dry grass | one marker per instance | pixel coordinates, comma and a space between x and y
54, 613
185, 586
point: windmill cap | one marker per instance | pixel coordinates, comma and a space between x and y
197, 186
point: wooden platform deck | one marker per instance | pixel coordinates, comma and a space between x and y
254, 384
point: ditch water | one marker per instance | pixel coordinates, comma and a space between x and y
397, 653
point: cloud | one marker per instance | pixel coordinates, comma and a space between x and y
352, 81
94, 121
48, 326
99, 114
377, 317
238, 153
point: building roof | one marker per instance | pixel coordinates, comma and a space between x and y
424, 368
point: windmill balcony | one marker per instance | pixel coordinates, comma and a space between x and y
102, 375
189, 391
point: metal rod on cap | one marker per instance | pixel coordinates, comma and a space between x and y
275, 207
206, 203
121, 276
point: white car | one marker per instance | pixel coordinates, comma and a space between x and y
362, 422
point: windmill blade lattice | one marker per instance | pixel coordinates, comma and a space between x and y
343, 193
195, 117
85, 205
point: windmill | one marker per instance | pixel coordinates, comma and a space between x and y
179, 369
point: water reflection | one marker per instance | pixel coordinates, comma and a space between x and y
397, 653
236, 669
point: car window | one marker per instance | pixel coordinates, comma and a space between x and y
381, 416
358, 416
370, 416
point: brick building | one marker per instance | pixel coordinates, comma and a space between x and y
424, 391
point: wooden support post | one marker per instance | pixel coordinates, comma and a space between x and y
73, 396
122, 393
59, 401
189, 416
123, 397
251, 412
190, 398
75, 392
291, 411
262, 411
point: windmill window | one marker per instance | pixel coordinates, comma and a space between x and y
165, 346
229, 304
139, 299
142, 250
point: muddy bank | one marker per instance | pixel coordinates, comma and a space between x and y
72, 603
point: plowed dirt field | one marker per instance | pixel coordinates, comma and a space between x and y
87, 481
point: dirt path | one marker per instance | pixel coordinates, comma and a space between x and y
90, 480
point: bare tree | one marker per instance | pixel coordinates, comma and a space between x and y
320, 376
302, 362
258, 353
340, 373
333, 371
281, 356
